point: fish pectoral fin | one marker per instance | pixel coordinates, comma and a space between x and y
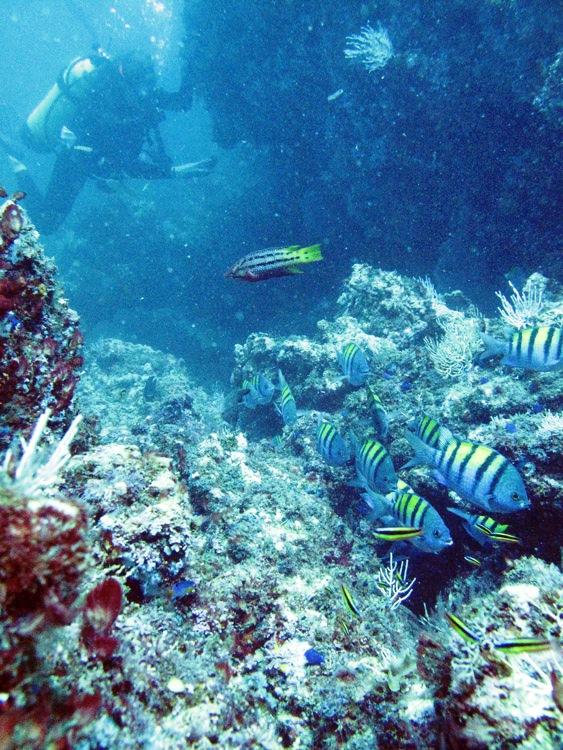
438, 477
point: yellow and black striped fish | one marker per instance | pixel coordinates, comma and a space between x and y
374, 467
428, 430
499, 536
354, 364
274, 262
348, 600
538, 348
331, 445
523, 645
481, 528
476, 472
414, 512
286, 405
379, 414
462, 629
397, 533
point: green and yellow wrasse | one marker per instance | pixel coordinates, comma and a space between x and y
473, 561
274, 262
481, 528
348, 600
461, 628
523, 645
478, 473
497, 536
538, 348
397, 533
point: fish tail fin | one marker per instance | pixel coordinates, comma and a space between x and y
493, 347
423, 454
377, 504
309, 254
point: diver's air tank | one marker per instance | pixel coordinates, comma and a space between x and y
42, 130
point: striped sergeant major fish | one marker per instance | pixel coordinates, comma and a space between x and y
474, 523
380, 417
331, 445
476, 472
427, 429
286, 406
258, 391
353, 363
374, 467
538, 348
413, 512
273, 262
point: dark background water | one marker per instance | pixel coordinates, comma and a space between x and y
445, 162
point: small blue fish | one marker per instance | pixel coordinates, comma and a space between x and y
374, 466
314, 658
331, 445
258, 391
182, 588
379, 415
354, 364
286, 406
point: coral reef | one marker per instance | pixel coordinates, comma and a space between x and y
40, 343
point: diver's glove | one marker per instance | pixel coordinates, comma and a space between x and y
205, 166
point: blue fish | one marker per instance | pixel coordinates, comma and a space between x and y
258, 391
374, 466
538, 348
412, 511
331, 445
476, 472
354, 364
314, 657
182, 588
286, 406
379, 415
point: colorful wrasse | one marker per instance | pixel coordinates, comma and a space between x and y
274, 262
354, 364
286, 405
258, 391
538, 348
481, 528
523, 645
414, 513
476, 472
497, 536
348, 600
374, 467
331, 445
379, 415
397, 533
462, 629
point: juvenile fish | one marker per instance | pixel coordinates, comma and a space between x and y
538, 348
397, 533
498, 537
331, 445
286, 406
349, 602
380, 417
523, 645
354, 364
476, 472
481, 528
472, 560
258, 391
462, 629
374, 467
274, 262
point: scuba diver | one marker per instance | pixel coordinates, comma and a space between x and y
101, 119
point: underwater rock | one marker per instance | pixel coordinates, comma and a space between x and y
40, 343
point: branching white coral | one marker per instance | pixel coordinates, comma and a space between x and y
453, 354
33, 471
551, 424
371, 47
393, 582
521, 309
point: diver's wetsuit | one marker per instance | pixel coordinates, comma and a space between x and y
116, 136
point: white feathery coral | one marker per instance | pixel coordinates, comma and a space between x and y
34, 471
522, 309
371, 47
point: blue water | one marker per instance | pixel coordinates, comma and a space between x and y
443, 162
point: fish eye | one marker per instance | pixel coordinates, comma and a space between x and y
436, 533
515, 496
